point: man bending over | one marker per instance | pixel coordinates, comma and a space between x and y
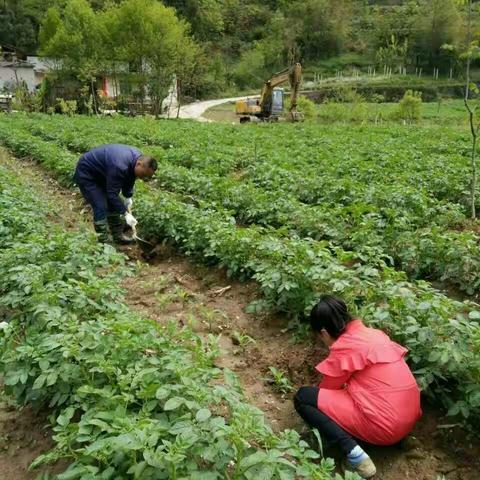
102, 174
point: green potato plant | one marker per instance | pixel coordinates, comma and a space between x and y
291, 270
129, 399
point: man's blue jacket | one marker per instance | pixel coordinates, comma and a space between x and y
112, 168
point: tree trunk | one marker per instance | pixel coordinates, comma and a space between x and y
178, 98
473, 185
94, 96
471, 117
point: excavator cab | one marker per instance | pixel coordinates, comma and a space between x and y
278, 102
274, 105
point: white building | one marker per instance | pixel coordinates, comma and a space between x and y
30, 71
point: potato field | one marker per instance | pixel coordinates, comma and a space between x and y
375, 214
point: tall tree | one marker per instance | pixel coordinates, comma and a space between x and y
19, 24
205, 16
438, 23
155, 44
72, 35
399, 22
322, 26
74, 38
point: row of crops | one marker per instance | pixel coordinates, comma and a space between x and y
384, 196
130, 399
292, 267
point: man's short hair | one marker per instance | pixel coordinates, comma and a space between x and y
149, 162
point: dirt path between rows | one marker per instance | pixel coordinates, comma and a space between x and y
171, 286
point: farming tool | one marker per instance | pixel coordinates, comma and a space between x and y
134, 233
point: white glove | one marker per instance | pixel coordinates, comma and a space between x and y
131, 220
128, 203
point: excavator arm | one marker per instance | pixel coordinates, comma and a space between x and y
291, 75
295, 82
267, 90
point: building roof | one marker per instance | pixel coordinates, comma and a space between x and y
8, 64
38, 64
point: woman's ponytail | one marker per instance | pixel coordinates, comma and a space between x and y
331, 314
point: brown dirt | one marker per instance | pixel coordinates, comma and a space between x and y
222, 113
470, 225
436, 451
172, 287
24, 436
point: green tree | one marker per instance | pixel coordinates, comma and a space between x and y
155, 44
468, 52
438, 22
399, 21
74, 38
19, 23
322, 27
394, 53
205, 16
267, 55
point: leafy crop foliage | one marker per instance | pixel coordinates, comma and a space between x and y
387, 193
380, 208
130, 399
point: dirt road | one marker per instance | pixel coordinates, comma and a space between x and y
197, 109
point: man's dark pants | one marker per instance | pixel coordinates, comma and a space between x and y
93, 193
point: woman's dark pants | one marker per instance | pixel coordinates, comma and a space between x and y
305, 402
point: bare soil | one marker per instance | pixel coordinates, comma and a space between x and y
24, 435
197, 110
172, 287
224, 112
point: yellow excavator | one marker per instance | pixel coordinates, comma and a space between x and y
270, 105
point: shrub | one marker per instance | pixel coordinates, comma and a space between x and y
67, 107
305, 106
345, 94
410, 107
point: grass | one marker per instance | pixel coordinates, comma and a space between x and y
447, 112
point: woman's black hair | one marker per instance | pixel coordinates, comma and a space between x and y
331, 314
